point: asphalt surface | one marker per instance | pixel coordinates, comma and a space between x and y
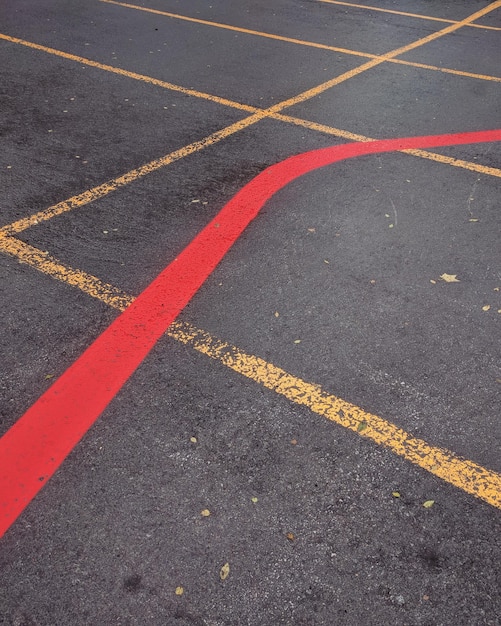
337, 282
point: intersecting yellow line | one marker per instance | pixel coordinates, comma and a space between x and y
405, 14
310, 44
258, 114
467, 475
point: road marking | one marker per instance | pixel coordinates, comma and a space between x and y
112, 185
466, 475
258, 114
245, 31
44, 262
106, 188
134, 75
313, 44
423, 154
36, 445
403, 13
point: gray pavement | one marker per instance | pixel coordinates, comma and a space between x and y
337, 282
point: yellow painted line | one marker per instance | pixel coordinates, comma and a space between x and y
47, 264
423, 154
447, 70
312, 44
444, 31
405, 14
134, 75
238, 29
110, 186
464, 474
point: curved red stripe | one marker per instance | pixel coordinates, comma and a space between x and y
37, 444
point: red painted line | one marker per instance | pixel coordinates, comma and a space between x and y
37, 444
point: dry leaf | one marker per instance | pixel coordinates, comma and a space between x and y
294, 442
179, 591
428, 504
290, 536
395, 494
224, 571
205, 513
449, 278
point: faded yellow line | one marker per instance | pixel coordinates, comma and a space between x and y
466, 475
312, 44
47, 264
112, 185
134, 75
416, 15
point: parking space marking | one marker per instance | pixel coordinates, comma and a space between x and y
47, 264
125, 179
462, 473
312, 44
100, 191
405, 14
126, 73
258, 114
239, 29
36, 445
423, 154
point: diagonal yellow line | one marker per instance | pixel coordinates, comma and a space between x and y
444, 31
462, 473
312, 44
226, 101
405, 14
106, 188
239, 29
121, 72
423, 154
47, 264
110, 186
